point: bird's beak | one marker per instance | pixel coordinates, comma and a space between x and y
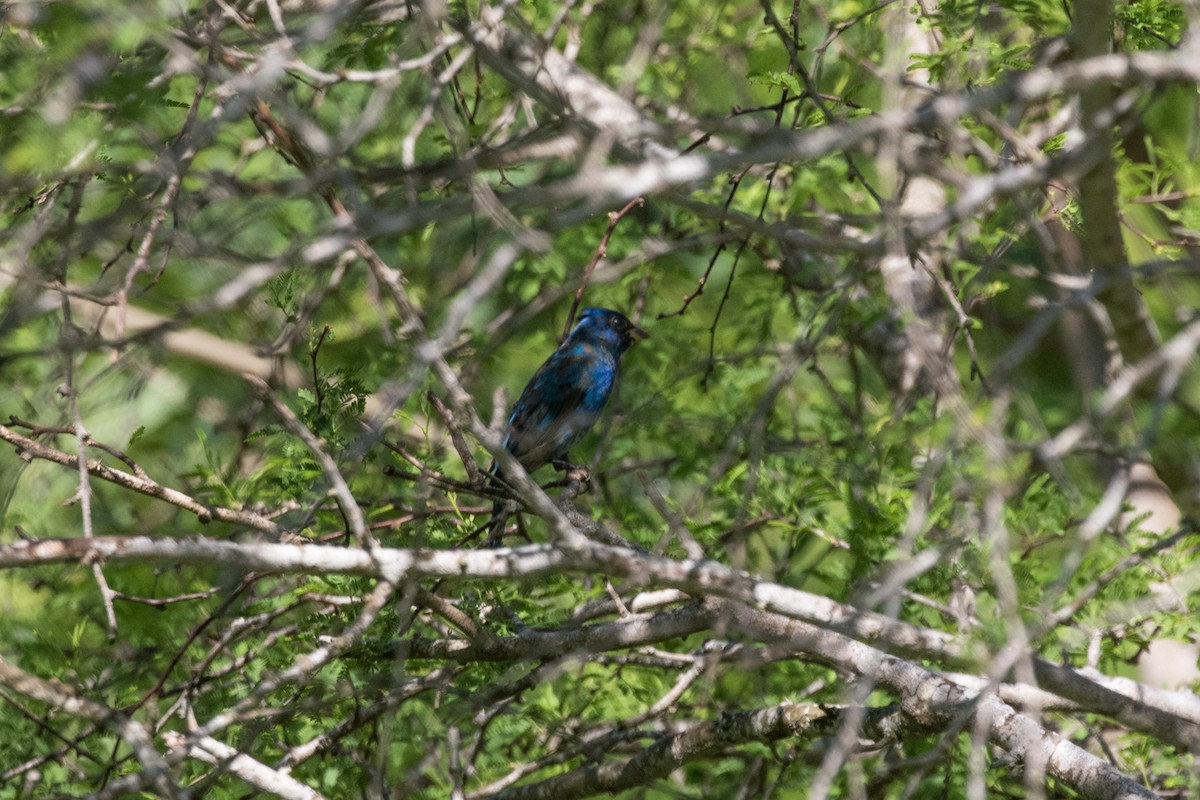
637, 334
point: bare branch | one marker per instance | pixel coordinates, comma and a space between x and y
30, 448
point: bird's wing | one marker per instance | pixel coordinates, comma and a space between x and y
561, 403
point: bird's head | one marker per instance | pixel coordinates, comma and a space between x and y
609, 327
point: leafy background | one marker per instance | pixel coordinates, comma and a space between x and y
798, 412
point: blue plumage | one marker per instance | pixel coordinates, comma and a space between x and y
567, 394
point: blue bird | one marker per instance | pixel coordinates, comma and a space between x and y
565, 397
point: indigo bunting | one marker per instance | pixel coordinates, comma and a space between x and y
566, 395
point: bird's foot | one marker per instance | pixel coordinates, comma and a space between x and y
574, 483
575, 472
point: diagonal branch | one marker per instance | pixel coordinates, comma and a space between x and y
30, 448
937, 701
134, 733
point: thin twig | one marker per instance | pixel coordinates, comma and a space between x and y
601, 250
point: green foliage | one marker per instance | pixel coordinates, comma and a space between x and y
765, 410
1150, 24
